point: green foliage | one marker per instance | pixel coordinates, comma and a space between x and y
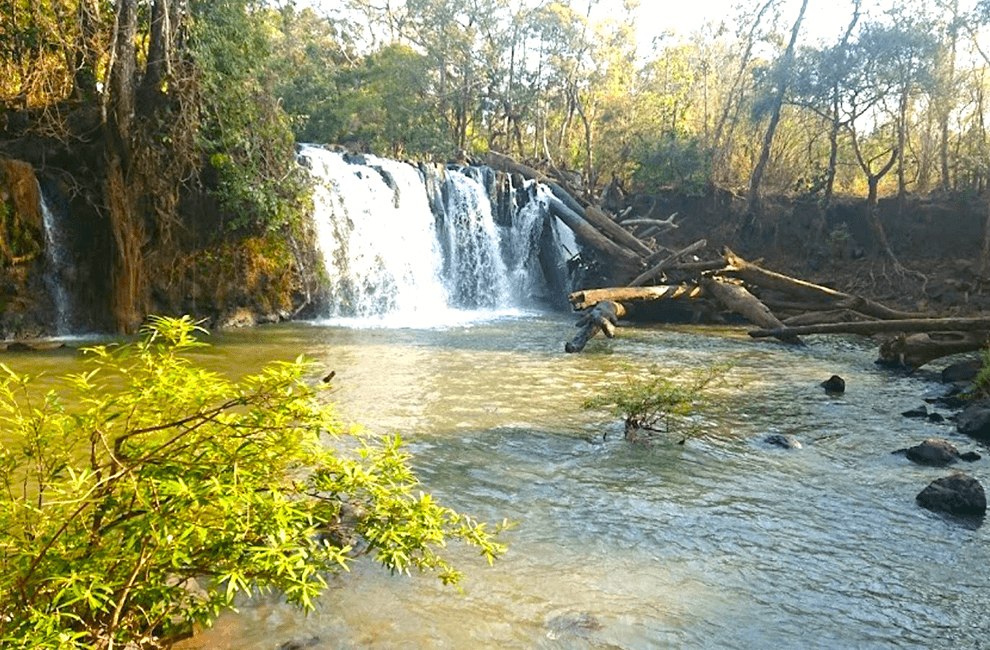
672, 160
662, 403
145, 475
308, 57
244, 133
385, 104
981, 383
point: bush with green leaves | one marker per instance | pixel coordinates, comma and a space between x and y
662, 403
144, 494
981, 383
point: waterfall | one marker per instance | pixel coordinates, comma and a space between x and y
423, 246
57, 266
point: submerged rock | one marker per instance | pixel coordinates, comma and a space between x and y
953, 399
920, 412
783, 441
957, 494
311, 642
580, 624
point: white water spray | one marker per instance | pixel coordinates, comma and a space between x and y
56, 261
408, 249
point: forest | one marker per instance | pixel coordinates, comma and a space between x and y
168, 98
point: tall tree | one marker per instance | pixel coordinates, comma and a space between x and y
781, 76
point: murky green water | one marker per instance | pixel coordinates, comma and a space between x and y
724, 542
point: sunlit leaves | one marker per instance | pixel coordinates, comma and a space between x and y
146, 493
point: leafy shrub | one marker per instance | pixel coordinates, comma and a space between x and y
660, 404
981, 383
145, 474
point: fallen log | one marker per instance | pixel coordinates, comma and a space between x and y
822, 317
656, 270
912, 352
607, 225
880, 326
601, 318
735, 298
591, 236
755, 275
591, 297
591, 214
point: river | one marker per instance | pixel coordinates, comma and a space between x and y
722, 542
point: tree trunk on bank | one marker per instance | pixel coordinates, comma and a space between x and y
912, 352
754, 209
590, 214
821, 296
881, 326
130, 299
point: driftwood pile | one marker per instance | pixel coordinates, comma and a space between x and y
732, 284
656, 283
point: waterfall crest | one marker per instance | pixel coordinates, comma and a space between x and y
425, 246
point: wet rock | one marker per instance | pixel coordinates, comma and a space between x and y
920, 412
963, 371
20, 346
834, 384
974, 421
935, 417
783, 441
936, 452
957, 494
953, 399
970, 457
579, 624
312, 642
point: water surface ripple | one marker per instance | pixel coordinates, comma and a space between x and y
723, 542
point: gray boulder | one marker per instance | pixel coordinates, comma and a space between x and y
956, 494
974, 421
964, 371
936, 452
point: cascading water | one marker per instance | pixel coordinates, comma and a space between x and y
420, 247
474, 269
56, 266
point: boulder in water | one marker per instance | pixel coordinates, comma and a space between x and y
920, 412
936, 452
956, 494
974, 421
834, 385
964, 371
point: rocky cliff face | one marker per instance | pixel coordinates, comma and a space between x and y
225, 278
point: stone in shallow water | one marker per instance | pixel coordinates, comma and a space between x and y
785, 442
834, 384
579, 624
957, 494
975, 421
936, 452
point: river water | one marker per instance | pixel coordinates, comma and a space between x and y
723, 542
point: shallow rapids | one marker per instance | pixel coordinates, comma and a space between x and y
723, 542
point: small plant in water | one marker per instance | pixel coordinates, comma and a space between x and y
661, 404
141, 496
981, 383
